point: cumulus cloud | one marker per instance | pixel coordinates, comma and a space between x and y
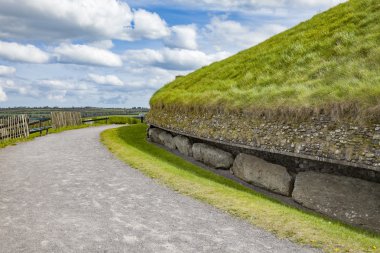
22, 53
5, 70
87, 55
5, 84
19, 88
175, 59
67, 19
183, 36
147, 25
3, 96
64, 18
231, 35
108, 79
150, 77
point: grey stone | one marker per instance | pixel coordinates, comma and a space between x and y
261, 173
212, 156
349, 199
183, 145
197, 152
154, 135
167, 139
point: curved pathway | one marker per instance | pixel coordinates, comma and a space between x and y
66, 193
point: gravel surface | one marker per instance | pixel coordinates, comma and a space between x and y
67, 193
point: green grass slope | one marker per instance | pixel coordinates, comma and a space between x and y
329, 64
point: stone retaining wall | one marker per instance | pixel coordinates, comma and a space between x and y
348, 198
320, 138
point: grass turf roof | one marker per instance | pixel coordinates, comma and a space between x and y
329, 64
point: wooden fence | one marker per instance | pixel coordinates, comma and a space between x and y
65, 119
14, 127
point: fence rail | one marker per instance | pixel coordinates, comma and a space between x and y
14, 127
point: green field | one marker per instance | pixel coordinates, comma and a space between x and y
119, 119
130, 145
44, 112
327, 65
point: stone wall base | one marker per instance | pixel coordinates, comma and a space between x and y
351, 200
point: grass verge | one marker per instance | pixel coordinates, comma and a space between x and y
130, 145
6, 143
119, 120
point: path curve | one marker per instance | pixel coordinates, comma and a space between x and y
67, 193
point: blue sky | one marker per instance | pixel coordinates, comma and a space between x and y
111, 53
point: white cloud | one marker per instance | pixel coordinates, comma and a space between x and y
10, 85
3, 96
68, 19
183, 36
87, 55
108, 79
103, 44
5, 70
22, 53
150, 77
142, 57
175, 59
226, 34
64, 18
147, 25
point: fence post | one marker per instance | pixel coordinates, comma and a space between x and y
40, 124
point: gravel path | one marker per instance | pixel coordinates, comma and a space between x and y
66, 193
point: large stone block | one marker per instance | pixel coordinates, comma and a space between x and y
197, 151
154, 135
261, 173
167, 139
349, 199
183, 145
211, 156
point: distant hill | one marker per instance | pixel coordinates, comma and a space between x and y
328, 65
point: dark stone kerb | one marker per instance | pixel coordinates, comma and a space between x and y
293, 160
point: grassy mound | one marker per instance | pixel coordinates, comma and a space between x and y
328, 65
